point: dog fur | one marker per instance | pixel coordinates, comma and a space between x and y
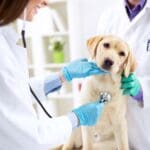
110, 133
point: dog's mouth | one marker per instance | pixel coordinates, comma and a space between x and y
104, 69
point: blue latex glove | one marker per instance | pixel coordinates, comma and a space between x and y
89, 114
81, 68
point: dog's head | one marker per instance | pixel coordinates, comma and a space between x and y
112, 54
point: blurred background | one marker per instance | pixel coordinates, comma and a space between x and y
57, 36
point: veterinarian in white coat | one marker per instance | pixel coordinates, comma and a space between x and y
130, 20
20, 128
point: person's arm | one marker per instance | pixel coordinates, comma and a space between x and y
76, 69
20, 123
42, 86
137, 88
53, 82
20, 127
131, 86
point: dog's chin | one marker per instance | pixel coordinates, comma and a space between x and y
113, 70
104, 69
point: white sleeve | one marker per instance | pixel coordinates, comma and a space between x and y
20, 129
44, 85
145, 83
37, 85
20, 126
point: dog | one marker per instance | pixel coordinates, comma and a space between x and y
110, 133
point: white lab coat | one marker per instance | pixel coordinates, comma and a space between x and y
20, 129
136, 33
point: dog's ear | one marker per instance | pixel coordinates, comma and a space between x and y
92, 44
130, 64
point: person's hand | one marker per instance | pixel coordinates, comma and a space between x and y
130, 85
80, 68
89, 114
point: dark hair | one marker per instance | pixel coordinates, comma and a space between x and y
10, 10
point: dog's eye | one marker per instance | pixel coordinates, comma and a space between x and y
122, 53
106, 45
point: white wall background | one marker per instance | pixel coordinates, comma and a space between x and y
83, 20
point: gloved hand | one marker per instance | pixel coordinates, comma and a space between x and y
80, 68
130, 85
89, 114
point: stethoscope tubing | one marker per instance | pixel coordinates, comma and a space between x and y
31, 90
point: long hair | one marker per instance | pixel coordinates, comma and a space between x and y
10, 10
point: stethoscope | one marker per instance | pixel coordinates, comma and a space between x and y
25, 46
31, 90
104, 96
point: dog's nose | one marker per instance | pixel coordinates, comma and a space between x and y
107, 63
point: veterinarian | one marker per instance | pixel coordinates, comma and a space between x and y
20, 129
130, 20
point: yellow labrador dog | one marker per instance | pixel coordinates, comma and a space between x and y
112, 54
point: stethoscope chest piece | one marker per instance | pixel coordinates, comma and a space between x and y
105, 97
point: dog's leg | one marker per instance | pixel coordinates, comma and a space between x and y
121, 134
105, 145
86, 139
75, 141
